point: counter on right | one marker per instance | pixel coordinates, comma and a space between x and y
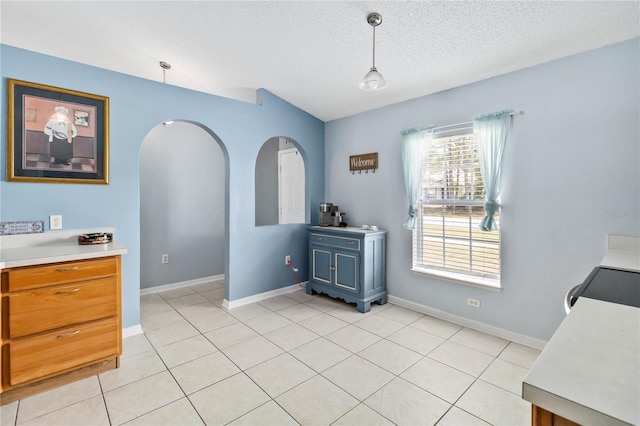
589, 372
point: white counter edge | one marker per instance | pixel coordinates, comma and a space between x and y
53, 247
111, 249
566, 408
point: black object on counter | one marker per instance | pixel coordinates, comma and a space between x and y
610, 285
95, 238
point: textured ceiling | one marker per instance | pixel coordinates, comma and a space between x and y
314, 53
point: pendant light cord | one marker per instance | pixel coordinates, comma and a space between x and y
374, 46
165, 66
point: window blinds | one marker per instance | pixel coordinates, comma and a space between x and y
447, 235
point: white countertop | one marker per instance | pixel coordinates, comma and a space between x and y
52, 247
589, 372
622, 259
623, 253
351, 229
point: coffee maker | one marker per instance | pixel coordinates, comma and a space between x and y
330, 215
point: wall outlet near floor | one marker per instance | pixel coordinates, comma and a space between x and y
55, 221
473, 302
287, 260
165, 258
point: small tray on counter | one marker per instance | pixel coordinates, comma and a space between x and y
95, 238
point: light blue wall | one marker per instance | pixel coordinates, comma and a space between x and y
575, 156
254, 255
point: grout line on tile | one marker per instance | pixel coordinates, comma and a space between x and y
104, 399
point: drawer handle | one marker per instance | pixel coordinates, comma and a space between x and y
73, 268
350, 243
64, 336
75, 290
333, 268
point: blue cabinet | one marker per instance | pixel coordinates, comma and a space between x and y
348, 263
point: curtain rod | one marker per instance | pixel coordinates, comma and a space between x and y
466, 123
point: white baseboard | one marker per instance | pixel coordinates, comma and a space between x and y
160, 288
132, 331
466, 322
261, 296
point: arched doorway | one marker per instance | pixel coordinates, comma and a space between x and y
183, 207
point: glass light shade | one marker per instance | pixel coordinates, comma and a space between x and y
373, 80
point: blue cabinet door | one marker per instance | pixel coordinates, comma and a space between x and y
321, 264
347, 270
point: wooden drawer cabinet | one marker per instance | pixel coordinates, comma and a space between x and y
59, 321
542, 417
60, 273
40, 310
61, 350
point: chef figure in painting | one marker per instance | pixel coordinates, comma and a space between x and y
61, 132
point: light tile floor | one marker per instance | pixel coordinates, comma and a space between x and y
292, 359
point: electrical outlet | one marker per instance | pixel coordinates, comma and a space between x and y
473, 302
165, 258
55, 221
287, 260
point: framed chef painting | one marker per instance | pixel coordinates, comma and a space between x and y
56, 135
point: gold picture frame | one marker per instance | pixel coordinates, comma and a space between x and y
44, 144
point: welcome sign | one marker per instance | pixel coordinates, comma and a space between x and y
363, 162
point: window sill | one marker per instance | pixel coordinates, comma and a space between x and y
484, 283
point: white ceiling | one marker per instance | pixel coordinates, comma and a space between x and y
314, 53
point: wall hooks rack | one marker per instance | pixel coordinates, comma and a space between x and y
366, 162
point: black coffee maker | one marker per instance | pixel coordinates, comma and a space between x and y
331, 215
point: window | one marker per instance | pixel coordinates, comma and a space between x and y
447, 240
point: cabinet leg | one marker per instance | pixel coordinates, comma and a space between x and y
383, 299
363, 307
309, 290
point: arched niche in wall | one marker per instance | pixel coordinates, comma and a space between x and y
280, 186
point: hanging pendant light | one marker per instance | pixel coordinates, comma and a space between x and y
373, 80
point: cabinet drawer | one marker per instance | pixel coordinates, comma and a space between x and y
30, 277
40, 356
54, 307
332, 240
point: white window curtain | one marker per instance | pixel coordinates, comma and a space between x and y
414, 141
492, 131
